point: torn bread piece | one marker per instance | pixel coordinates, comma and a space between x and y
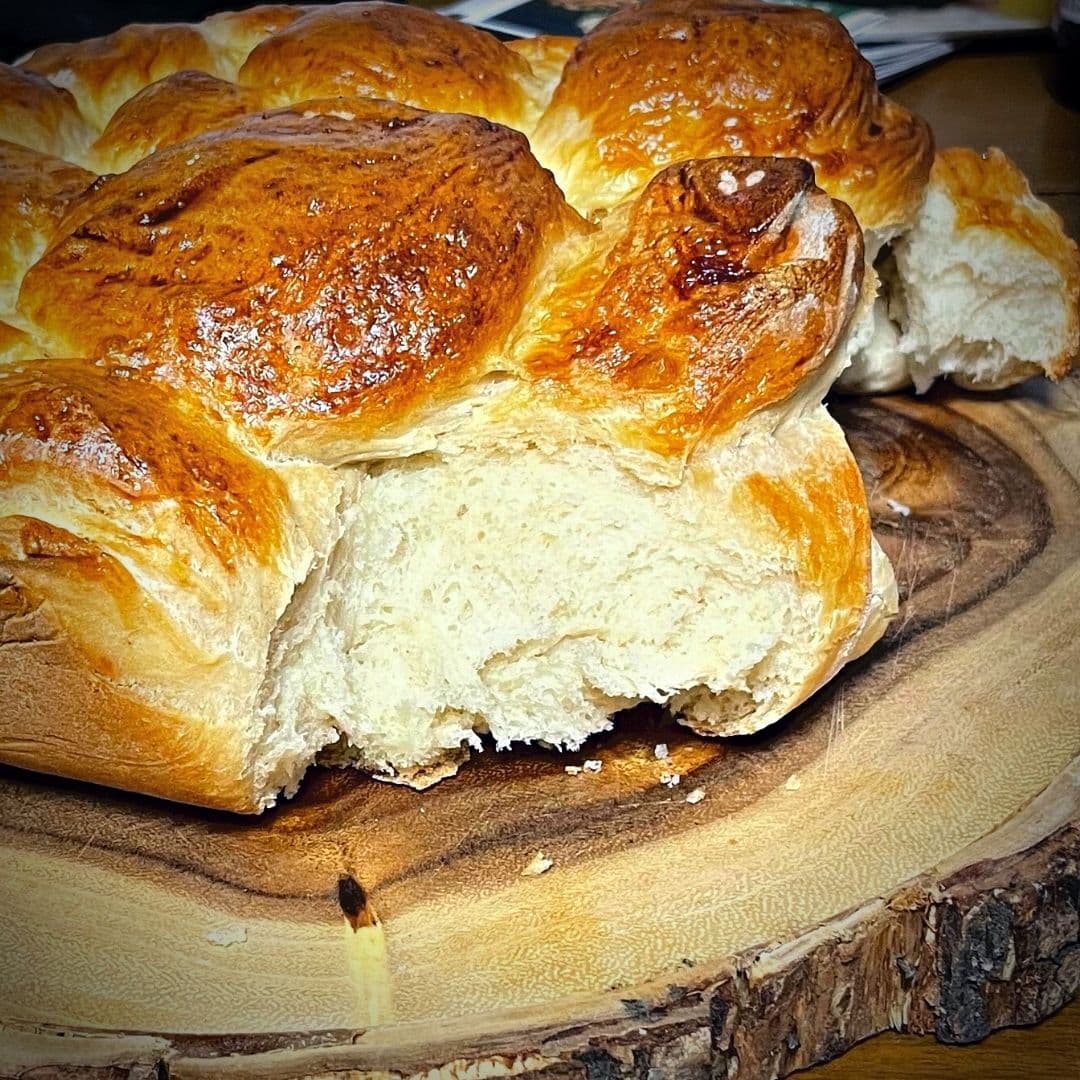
984, 288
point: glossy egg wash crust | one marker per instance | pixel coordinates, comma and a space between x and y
330, 425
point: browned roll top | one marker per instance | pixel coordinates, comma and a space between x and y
104, 72
35, 191
144, 444
178, 107
371, 50
676, 79
729, 284
36, 114
352, 293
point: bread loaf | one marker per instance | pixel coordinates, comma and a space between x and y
332, 421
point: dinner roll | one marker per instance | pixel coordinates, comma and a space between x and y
35, 191
144, 563
983, 288
102, 73
43, 117
372, 50
175, 108
673, 79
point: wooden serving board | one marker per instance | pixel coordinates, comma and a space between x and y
903, 851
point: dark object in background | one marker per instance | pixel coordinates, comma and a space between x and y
25, 25
1066, 79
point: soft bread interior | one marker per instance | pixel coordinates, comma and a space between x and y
522, 574
530, 591
975, 302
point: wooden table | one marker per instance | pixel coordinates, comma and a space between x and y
990, 100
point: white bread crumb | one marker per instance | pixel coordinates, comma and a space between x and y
660, 751
670, 779
593, 765
695, 796
989, 305
227, 935
540, 864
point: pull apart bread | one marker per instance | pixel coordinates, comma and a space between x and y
329, 425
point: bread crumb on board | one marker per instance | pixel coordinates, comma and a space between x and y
670, 779
539, 864
792, 783
593, 765
660, 751
695, 796
227, 935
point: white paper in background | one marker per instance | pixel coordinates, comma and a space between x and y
894, 41
952, 22
892, 60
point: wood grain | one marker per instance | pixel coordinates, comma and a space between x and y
116, 912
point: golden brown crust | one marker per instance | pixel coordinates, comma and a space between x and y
546, 55
35, 190
44, 117
144, 561
728, 287
383, 50
16, 344
65, 713
821, 512
350, 303
171, 110
988, 191
675, 79
85, 427
233, 34
816, 512
104, 72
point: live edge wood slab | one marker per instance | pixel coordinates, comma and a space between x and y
903, 851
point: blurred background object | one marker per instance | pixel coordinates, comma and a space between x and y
23, 26
895, 37
1066, 81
